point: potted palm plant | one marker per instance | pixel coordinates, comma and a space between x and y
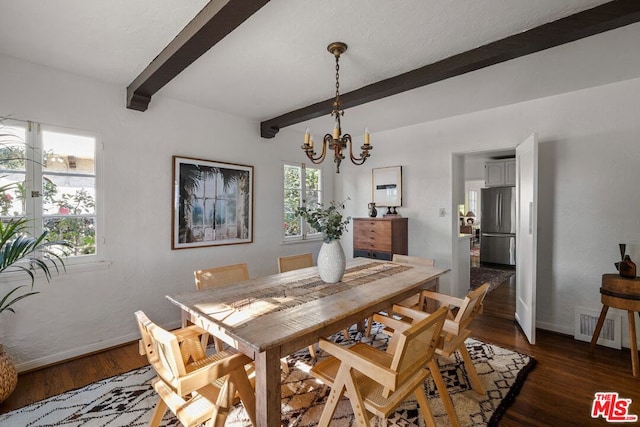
21, 254
331, 223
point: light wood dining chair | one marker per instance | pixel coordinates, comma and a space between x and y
378, 381
214, 277
455, 331
221, 276
404, 259
294, 262
195, 387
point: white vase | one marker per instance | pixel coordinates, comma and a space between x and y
331, 262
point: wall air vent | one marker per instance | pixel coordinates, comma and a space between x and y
585, 324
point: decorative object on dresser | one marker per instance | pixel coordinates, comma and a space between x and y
380, 238
337, 142
373, 212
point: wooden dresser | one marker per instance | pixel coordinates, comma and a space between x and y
380, 238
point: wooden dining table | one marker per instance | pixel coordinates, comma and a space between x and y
270, 317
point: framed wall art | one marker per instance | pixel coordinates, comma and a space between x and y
212, 203
387, 186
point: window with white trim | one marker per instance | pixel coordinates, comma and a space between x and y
48, 175
302, 187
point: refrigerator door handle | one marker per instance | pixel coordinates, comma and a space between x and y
497, 218
500, 211
505, 235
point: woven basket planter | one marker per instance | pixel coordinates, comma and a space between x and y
8, 375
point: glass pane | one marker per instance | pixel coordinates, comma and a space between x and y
79, 231
292, 176
68, 195
12, 170
313, 199
291, 225
68, 154
69, 189
291, 200
68, 184
312, 179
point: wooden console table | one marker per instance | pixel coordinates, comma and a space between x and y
624, 294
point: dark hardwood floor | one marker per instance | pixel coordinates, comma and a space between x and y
558, 392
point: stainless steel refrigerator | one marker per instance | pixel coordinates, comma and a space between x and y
498, 225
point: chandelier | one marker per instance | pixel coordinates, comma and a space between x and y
336, 141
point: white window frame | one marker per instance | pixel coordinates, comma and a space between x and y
307, 234
33, 169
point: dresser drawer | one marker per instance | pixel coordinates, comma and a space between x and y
384, 256
372, 241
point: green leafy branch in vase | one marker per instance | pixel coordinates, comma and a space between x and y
328, 221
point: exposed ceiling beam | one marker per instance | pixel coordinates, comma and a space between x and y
605, 17
217, 19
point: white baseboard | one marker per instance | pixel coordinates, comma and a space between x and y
81, 351
555, 328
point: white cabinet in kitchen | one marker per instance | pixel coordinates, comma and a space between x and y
500, 173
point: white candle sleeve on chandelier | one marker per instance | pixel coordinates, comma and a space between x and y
366, 136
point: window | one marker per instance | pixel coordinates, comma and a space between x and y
302, 186
48, 174
473, 201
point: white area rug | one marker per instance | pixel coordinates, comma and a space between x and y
128, 399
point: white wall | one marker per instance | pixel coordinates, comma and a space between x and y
588, 192
589, 153
83, 311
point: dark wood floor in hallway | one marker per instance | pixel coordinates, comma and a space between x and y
558, 392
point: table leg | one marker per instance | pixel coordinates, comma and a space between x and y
268, 389
596, 333
635, 368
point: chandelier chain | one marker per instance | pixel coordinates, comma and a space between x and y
337, 77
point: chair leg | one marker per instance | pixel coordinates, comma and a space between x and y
217, 342
346, 334
367, 331
158, 413
444, 393
357, 404
471, 370
284, 365
312, 351
223, 404
337, 391
424, 407
246, 392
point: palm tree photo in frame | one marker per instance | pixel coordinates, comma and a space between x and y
387, 186
212, 203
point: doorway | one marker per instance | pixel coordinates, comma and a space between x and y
468, 182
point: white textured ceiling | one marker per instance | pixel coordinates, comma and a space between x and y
277, 60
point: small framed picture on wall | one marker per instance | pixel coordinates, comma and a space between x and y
387, 186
